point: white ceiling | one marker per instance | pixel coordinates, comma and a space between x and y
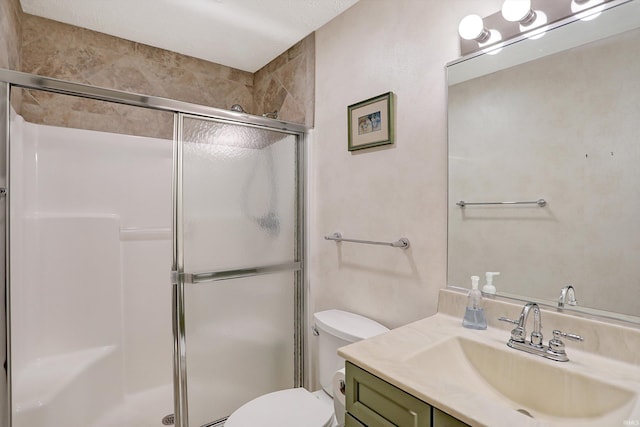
243, 34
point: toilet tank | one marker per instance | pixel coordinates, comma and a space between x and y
337, 328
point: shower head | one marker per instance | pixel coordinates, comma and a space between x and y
238, 108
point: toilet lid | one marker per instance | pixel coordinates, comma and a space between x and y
295, 407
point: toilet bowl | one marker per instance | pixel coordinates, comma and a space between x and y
298, 407
291, 407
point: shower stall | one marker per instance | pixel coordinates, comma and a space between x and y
153, 257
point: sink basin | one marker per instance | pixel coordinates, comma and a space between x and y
542, 389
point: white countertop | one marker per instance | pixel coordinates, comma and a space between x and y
386, 356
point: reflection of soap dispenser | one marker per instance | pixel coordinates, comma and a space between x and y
489, 288
474, 314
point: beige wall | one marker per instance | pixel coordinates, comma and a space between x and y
10, 34
393, 191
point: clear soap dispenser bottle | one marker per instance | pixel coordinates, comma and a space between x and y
474, 317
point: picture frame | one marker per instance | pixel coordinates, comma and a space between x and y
371, 122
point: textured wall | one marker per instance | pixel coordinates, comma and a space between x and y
71, 53
63, 51
287, 84
10, 34
392, 191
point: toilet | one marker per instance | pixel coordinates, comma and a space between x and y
297, 407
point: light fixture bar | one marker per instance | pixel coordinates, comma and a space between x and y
534, 16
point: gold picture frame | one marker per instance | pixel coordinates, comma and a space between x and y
371, 122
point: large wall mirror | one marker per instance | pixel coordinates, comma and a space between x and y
556, 119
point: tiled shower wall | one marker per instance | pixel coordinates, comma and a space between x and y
45, 47
10, 34
287, 84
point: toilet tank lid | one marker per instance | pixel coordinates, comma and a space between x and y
350, 327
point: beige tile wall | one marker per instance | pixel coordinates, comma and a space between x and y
75, 54
71, 53
287, 84
10, 34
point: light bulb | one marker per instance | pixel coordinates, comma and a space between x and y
493, 40
518, 11
578, 6
540, 31
472, 28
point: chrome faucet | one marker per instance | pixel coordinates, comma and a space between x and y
567, 296
554, 351
519, 333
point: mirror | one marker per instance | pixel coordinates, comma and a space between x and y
556, 119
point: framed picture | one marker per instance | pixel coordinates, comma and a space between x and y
371, 122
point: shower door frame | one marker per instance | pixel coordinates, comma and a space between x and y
10, 79
180, 277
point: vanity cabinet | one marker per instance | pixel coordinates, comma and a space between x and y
373, 402
441, 419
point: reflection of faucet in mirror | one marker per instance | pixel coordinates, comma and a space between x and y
567, 296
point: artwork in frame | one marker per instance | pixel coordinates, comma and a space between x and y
371, 122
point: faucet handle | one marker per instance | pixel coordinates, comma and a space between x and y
557, 334
556, 346
504, 319
518, 333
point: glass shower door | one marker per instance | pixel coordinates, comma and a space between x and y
238, 265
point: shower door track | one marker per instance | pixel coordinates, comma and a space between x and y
19, 79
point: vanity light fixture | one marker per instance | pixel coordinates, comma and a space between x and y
519, 19
494, 38
590, 12
520, 11
472, 28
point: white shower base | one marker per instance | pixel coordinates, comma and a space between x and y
76, 388
56, 390
143, 409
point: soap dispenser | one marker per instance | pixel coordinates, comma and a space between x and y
488, 288
474, 314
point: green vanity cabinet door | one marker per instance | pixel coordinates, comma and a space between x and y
376, 403
441, 419
349, 421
